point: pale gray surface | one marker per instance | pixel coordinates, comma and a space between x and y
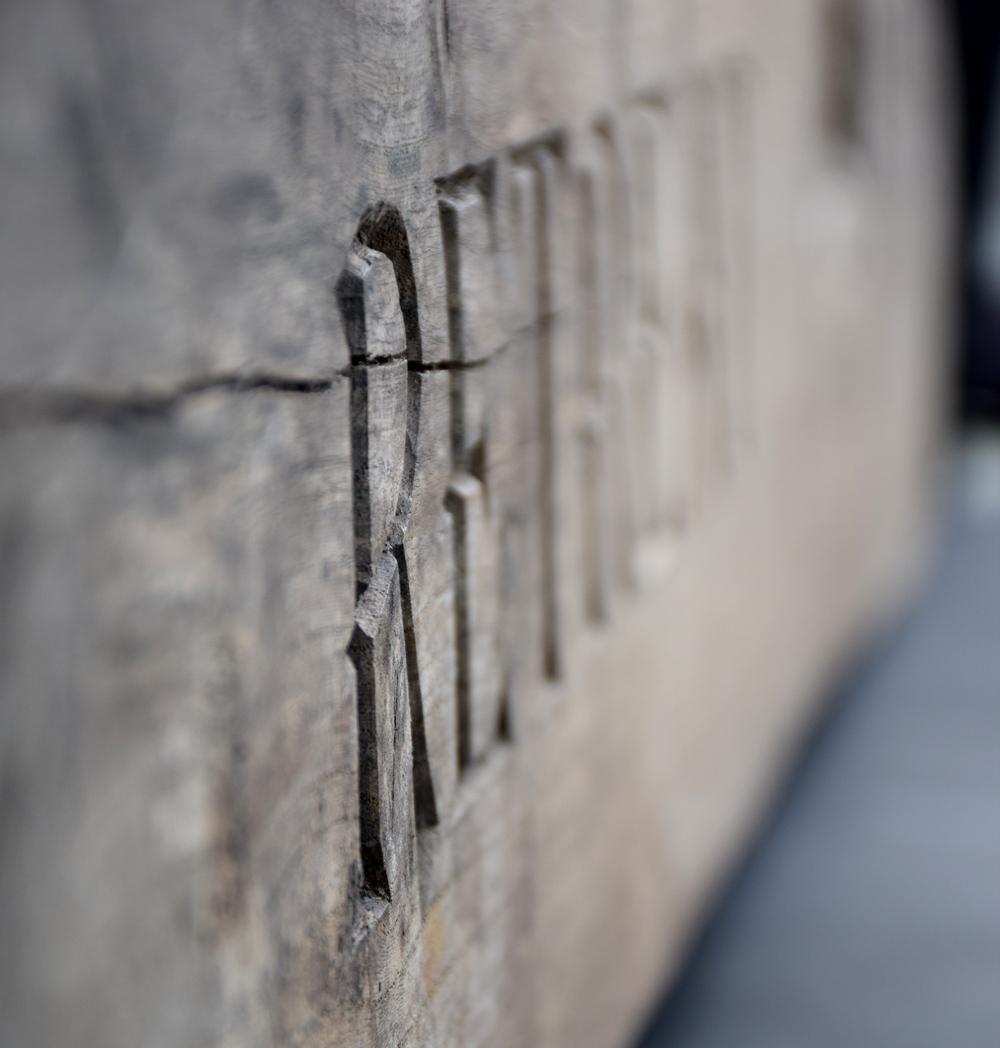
381, 654
869, 914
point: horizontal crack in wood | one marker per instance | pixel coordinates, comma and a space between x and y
59, 405
39, 405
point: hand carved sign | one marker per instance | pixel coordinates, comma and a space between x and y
445, 450
566, 328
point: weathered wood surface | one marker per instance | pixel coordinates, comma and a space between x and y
446, 447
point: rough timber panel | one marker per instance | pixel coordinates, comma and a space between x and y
446, 447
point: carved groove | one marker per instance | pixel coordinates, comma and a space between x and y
383, 233
546, 422
463, 638
506, 246
374, 877
425, 808
591, 478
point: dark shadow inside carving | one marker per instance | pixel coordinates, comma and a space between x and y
611, 149
483, 179
469, 449
615, 188
463, 641
375, 879
545, 248
505, 729
843, 72
382, 229
591, 489
423, 785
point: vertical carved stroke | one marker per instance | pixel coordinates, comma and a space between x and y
738, 113
545, 205
382, 231
463, 656
618, 332
456, 338
463, 632
591, 486
712, 277
468, 236
375, 877
425, 802
644, 134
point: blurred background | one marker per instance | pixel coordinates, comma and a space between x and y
868, 911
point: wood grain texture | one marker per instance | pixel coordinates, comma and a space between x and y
446, 449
